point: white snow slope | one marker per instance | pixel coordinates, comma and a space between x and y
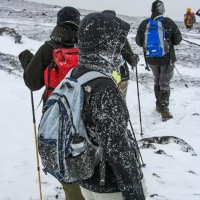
172, 175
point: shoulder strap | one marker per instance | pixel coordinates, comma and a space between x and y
55, 45
159, 18
88, 76
149, 19
51, 43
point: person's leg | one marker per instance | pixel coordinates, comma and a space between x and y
166, 73
144, 186
88, 195
123, 87
72, 191
157, 95
156, 72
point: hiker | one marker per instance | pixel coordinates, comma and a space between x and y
127, 57
198, 13
64, 35
189, 18
100, 39
161, 63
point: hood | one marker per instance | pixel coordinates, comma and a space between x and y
158, 7
101, 37
65, 35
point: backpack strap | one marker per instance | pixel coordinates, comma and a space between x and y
55, 45
159, 18
88, 76
52, 44
92, 75
149, 19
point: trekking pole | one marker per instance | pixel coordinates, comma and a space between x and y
191, 42
147, 67
138, 93
36, 146
143, 164
181, 77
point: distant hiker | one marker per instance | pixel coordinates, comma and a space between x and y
100, 38
64, 35
189, 18
159, 53
198, 13
127, 56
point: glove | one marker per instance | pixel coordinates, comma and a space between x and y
135, 60
25, 57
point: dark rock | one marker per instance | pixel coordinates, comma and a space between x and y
185, 147
11, 32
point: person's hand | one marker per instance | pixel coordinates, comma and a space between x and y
25, 57
135, 61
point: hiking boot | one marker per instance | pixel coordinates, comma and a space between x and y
164, 102
166, 116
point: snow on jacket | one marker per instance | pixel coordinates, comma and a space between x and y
104, 110
62, 36
173, 37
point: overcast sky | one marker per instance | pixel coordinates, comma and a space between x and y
174, 9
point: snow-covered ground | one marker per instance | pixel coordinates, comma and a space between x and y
172, 167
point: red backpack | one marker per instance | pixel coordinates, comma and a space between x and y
63, 61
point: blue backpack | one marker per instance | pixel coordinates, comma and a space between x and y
155, 42
64, 146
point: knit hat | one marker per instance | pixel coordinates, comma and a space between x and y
101, 37
111, 12
100, 32
68, 14
158, 7
188, 10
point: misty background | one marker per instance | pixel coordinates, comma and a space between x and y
174, 9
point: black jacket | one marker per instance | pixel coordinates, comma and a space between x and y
173, 37
130, 58
198, 13
34, 66
105, 112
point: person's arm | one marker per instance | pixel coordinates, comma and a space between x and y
198, 13
185, 18
34, 67
139, 39
176, 36
128, 55
110, 116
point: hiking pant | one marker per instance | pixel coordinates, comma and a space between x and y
72, 191
162, 75
89, 195
124, 87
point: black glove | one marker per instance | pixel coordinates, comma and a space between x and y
135, 60
25, 57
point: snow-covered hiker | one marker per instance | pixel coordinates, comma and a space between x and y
189, 18
64, 35
158, 35
100, 39
128, 57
